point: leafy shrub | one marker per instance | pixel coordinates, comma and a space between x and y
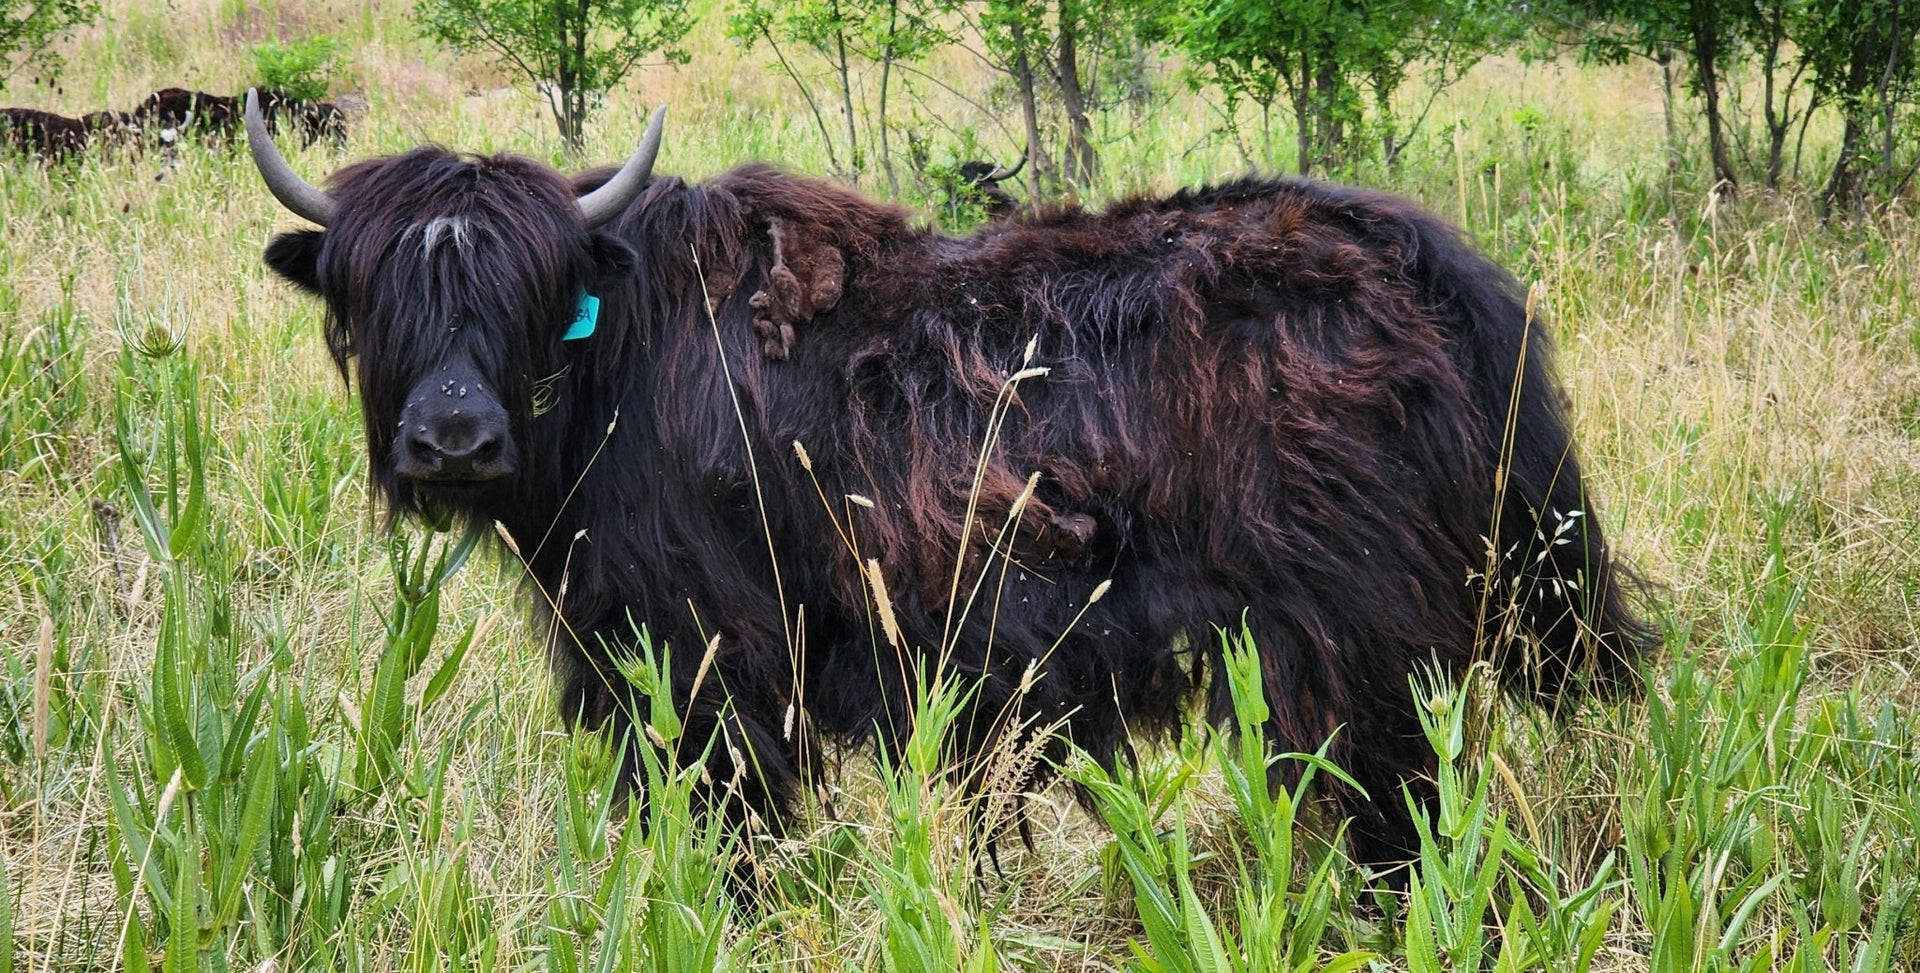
303, 69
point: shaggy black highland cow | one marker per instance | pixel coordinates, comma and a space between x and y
1315, 407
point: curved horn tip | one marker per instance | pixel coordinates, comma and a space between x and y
301, 197
650, 139
600, 206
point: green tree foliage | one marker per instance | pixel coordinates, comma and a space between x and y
574, 50
302, 69
1020, 39
1769, 31
1338, 64
28, 29
1707, 31
1014, 34
899, 31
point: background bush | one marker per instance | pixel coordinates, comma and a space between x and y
303, 69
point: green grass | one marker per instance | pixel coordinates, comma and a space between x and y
240, 724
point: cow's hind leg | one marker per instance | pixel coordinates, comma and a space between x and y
1364, 717
1385, 751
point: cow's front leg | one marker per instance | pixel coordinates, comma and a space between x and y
723, 718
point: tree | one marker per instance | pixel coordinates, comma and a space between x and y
1073, 22
28, 29
1015, 35
1709, 25
302, 70
1615, 30
1328, 59
574, 50
1057, 47
1769, 30
1717, 36
882, 33
1857, 56
898, 31
819, 25
1863, 60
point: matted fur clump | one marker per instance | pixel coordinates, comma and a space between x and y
1313, 407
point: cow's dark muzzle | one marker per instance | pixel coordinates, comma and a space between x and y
455, 447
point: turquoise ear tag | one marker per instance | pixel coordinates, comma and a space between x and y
584, 318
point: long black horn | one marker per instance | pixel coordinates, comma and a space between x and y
610, 200
302, 197
1005, 173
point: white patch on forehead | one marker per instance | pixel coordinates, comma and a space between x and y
442, 229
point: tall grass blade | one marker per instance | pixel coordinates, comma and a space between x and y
189, 518
183, 919
6, 917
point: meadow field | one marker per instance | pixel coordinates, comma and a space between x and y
242, 726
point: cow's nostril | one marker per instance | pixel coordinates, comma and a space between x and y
423, 448
487, 448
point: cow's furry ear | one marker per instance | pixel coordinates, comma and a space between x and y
613, 259
296, 256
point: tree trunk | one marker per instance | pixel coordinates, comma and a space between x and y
1303, 116
846, 99
1665, 60
813, 104
1800, 141
557, 105
1897, 39
1080, 158
1389, 140
854, 162
1779, 117
1329, 132
578, 79
886, 71
1703, 21
1266, 136
1842, 190
562, 84
1042, 171
564, 111
1871, 64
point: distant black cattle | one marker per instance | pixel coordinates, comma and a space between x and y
112, 129
177, 108
216, 118
44, 134
56, 138
311, 120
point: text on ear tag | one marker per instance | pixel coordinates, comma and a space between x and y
585, 316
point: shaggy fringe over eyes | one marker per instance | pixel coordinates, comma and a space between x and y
434, 253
